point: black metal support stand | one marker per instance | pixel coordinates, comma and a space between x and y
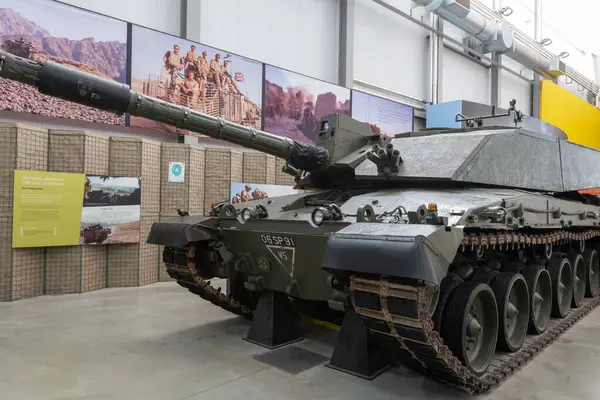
356, 351
275, 324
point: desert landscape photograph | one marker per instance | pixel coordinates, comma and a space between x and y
43, 30
386, 117
111, 210
190, 74
295, 103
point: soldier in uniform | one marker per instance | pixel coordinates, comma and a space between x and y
202, 67
172, 64
227, 79
189, 87
259, 194
190, 60
245, 194
215, 71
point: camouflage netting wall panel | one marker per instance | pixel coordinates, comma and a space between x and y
189, 194
281, 178
123, 265
271, 169
134, 264
76, 269
135, 157
21, 270
258, 168
222, 167
78, 152
21, 147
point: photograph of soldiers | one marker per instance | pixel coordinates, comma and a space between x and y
244, 192
294, 103
172, 65
208, 80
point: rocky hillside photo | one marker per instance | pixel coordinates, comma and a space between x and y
294, 112
29, 39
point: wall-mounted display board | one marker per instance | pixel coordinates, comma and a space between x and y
47, 208
43, 30
385, 116
241, 192
190, 74
294, 103
65, 209
111, 210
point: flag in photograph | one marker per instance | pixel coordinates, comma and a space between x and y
239, 77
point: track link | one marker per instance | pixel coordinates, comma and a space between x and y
181, 266
400, 320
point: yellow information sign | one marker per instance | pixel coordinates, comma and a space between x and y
47, 208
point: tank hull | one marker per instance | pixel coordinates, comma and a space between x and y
393, 272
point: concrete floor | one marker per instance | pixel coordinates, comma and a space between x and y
161, 342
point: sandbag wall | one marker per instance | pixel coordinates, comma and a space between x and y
186, 196
77, 269
136, 264
22, 271
207, 179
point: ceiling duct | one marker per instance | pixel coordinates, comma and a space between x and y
495, 36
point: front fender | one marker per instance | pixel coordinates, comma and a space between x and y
178, 235
402, 250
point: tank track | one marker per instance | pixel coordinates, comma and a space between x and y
407, 331
186, 275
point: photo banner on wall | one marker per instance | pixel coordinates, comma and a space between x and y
193, 75
241, 192
295, 103
42, 30
386, 117
111, 210
47, 208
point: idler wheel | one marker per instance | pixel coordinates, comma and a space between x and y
512, 296
562, 285
579, 282
449, 283
592, 272
472, 329
540, 297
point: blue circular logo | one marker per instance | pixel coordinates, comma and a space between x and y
176, 169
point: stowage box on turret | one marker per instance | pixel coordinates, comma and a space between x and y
462, 252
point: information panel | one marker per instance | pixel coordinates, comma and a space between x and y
47, 208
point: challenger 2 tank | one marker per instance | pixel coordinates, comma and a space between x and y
461, 253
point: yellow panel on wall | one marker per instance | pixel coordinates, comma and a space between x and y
576, 117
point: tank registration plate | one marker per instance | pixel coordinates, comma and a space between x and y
278, 240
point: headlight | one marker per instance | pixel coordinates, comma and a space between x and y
317, 216
246, 214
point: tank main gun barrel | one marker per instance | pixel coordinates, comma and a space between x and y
80, 87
